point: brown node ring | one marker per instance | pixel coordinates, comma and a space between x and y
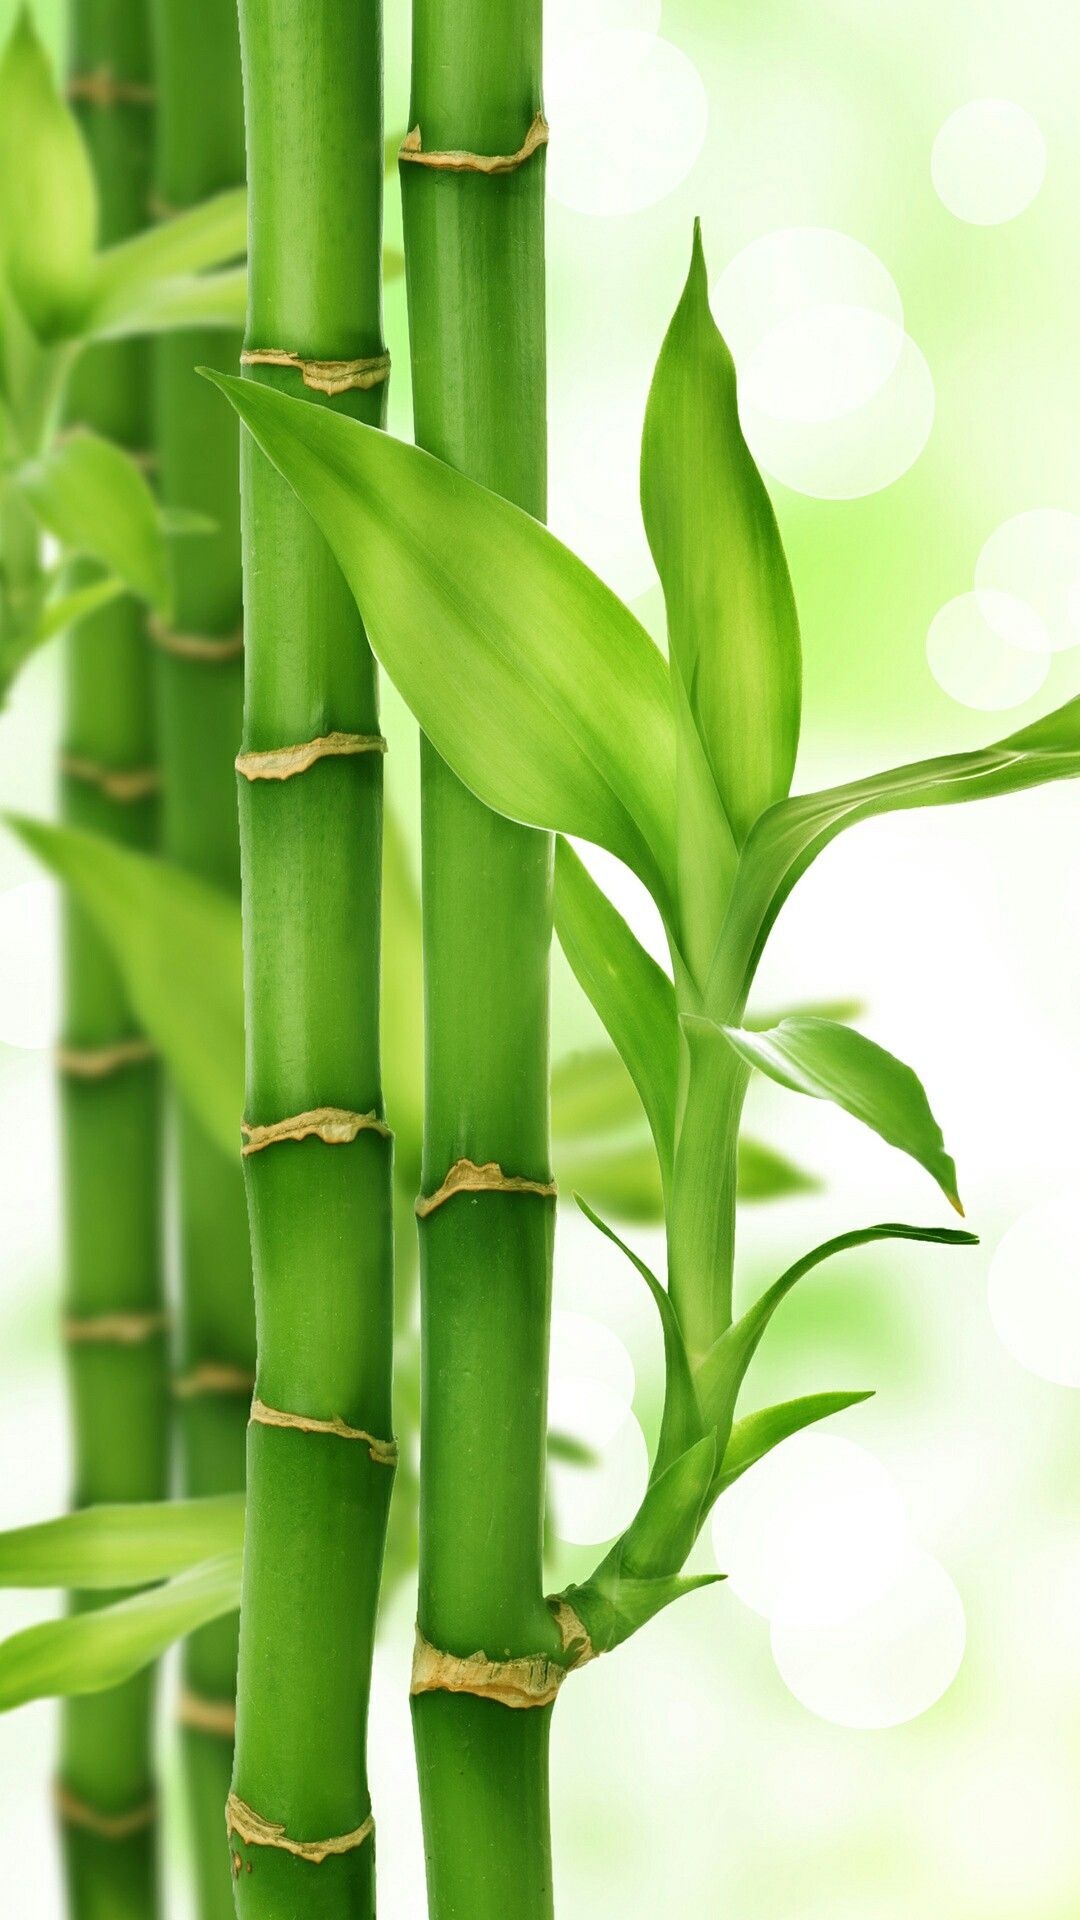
206, 1716
383, 1452
213, 1377
412, 149
255, 1831
281, 763
107, 1826
123, 784
532, 1680
335, 1126
97, 1063
466, 1176
211, 648
103, 89
324, 376
113, 1329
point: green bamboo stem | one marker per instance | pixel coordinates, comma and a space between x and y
475, 267
110, 1108
321, 1214
199, 683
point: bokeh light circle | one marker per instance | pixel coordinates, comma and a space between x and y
885, 1664
1033, 1291
988, 162
836, 399
817, 1526
29, 965
592, 1501
630, 113
1036, 556
984, 650
583, 1348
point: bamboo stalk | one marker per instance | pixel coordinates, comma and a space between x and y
320, 1205
199, 683
475, 268
111, 1120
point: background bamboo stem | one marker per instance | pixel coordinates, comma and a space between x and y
111, 1124
200, 151
321, 1215
475, 268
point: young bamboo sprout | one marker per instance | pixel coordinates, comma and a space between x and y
199, 674
317, 1150
114, 1307
551, 703
472, 170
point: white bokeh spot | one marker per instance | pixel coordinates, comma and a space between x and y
1036, 556
631, 114
988, 650
885, 1664
592, 1503
836, 399
988, 162
1034, 1291
29, 965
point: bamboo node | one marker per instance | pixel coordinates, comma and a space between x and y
280, 763
255, 1831
113, 1329
530, 1681
210, 647
206, 1716
465, 1176
383, 1452
124, 784
573, 1632
324, 376
107, 1826
102, 88
213, 1376
412, 149
97, 1063
337, 1126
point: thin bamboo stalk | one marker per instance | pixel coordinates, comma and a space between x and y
199, 683
321, 1205
475, 267
111, 1119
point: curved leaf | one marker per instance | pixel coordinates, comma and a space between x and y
92, 497
87, 1652
765, 1174
212, 234
48, 201
125, 1546
832, 1062
751, 1439
731, 612
532, 680
190, 300
176, 941
612, 1612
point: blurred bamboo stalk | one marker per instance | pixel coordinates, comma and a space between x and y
115, 1323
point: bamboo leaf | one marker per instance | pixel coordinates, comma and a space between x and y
633, 996
212, 234
833, 1062
124, 1546
682, 1425
613, 1611
723, 1369
48, 202
765, 1174
669, 1519
87, 1652
176, 941
533, 681
791, 835
755, 1436
94, 500
192, 300
733, 627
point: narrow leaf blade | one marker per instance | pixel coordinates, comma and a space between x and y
48, 202
94, 500
106, 1548
756, 1435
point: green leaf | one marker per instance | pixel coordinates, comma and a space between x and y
612, 1612
176, 941
633, 996
681, 1426
733, 627
833, 1062
87, 1652
791, 835
723, 1369
592, 1092
48, 202
765, 1174
755, 1436
190, 300
127, 1546
96, 502
622, 1176
528, 675
669, 1519
212, 234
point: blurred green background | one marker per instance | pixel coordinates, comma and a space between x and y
879, 1715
